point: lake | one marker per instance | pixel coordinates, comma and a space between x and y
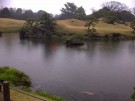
97, 71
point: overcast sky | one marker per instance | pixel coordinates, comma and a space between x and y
54, 6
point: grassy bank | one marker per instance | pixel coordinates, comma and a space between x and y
19, 80
17, 96
14, 76
10, 25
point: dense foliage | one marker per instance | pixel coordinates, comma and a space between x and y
91, 24
133, 26
14, 76
114, 12
41, 28
20, 13
72, 11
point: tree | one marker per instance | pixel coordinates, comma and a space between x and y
5, 13
72, 11
19, 13
47, 23
132, 25
69, 10
12, 11
28, 14
42, 28
80, 13
91, 24
114, 6
40, 13
134, 10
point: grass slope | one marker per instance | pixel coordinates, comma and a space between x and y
10, 25
17, 96
76, 26
69, 26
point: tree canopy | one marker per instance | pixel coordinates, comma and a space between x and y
114, 12
115, 6
72, 11
133, 26
41, 28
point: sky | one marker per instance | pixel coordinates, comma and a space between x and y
54, 6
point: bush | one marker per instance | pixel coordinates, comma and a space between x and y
53, 97
14, 76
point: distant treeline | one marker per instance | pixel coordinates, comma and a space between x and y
20, 13
111, 12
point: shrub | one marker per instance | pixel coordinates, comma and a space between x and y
14, 76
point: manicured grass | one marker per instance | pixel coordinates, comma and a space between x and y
10, 25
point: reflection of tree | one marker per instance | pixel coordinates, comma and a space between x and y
132, 47
48, 46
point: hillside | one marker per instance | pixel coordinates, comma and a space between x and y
10, 25
102, 28
69, 26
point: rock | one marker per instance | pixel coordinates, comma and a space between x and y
74, 42
0, 34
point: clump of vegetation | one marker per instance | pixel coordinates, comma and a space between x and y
133, 26
91, 24
53, 97
14, 76
40, 29
43, 94
133, 96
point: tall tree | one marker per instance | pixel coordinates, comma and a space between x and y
133, 26
69, 10
72, 11
28, 14
114, 6
40, 13
5, 13
19, 13
91, 24
12, 11
80, 13
47, 23
134, 10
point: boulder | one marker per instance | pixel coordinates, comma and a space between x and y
0, 34
74, 42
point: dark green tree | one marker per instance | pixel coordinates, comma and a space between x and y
80, 13
69, 10
19, 13
114, 6
132, 25
134, 10
91, 24
42, 28
47, 23
27, 14
72, 11
5, 13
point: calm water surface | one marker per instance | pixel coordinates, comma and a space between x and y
106, 69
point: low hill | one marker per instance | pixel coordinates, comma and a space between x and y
10, 25
69, 26
78, 26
